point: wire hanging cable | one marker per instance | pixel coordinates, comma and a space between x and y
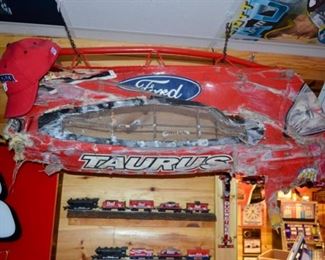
227, 37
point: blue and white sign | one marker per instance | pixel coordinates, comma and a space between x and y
164, 85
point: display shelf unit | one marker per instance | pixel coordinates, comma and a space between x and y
300, 217
140, 215
81, 232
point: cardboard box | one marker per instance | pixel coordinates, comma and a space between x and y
274, 254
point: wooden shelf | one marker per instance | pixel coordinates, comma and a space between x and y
141, 215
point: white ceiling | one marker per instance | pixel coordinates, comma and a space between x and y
188, 23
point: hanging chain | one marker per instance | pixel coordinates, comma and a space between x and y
227, 37
72, 43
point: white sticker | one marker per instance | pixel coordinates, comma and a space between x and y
54, 51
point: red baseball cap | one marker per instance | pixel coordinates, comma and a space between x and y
22, 66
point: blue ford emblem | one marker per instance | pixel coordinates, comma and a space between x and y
164, 85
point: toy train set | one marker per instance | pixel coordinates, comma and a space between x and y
144, 253
136, 205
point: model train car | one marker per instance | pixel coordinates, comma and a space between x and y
136, 205
113, 204
198, 254
82, 203
169, 206
170, 253
110, 253
197, 207
146, 205
141, 253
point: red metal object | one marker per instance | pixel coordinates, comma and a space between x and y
169, 206
156, 52
113, 204
197, 206
234, 117
32, 198
146, 205
198, 254
141, 253
170, 252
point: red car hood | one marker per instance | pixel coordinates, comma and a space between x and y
175, 120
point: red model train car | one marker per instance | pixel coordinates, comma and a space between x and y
141, 253
146, 205
170, 253
169, 205
197, 206
113, 204
198, 254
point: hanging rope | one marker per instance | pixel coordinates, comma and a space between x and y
227, 37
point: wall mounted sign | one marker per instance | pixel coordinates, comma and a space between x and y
251, 241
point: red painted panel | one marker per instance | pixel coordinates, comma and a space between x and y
32, 197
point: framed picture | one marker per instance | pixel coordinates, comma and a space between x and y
251, 241
250, 258
252, 246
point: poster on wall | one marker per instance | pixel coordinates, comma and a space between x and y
294, 21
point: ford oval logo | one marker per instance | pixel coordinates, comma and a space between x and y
164, 85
